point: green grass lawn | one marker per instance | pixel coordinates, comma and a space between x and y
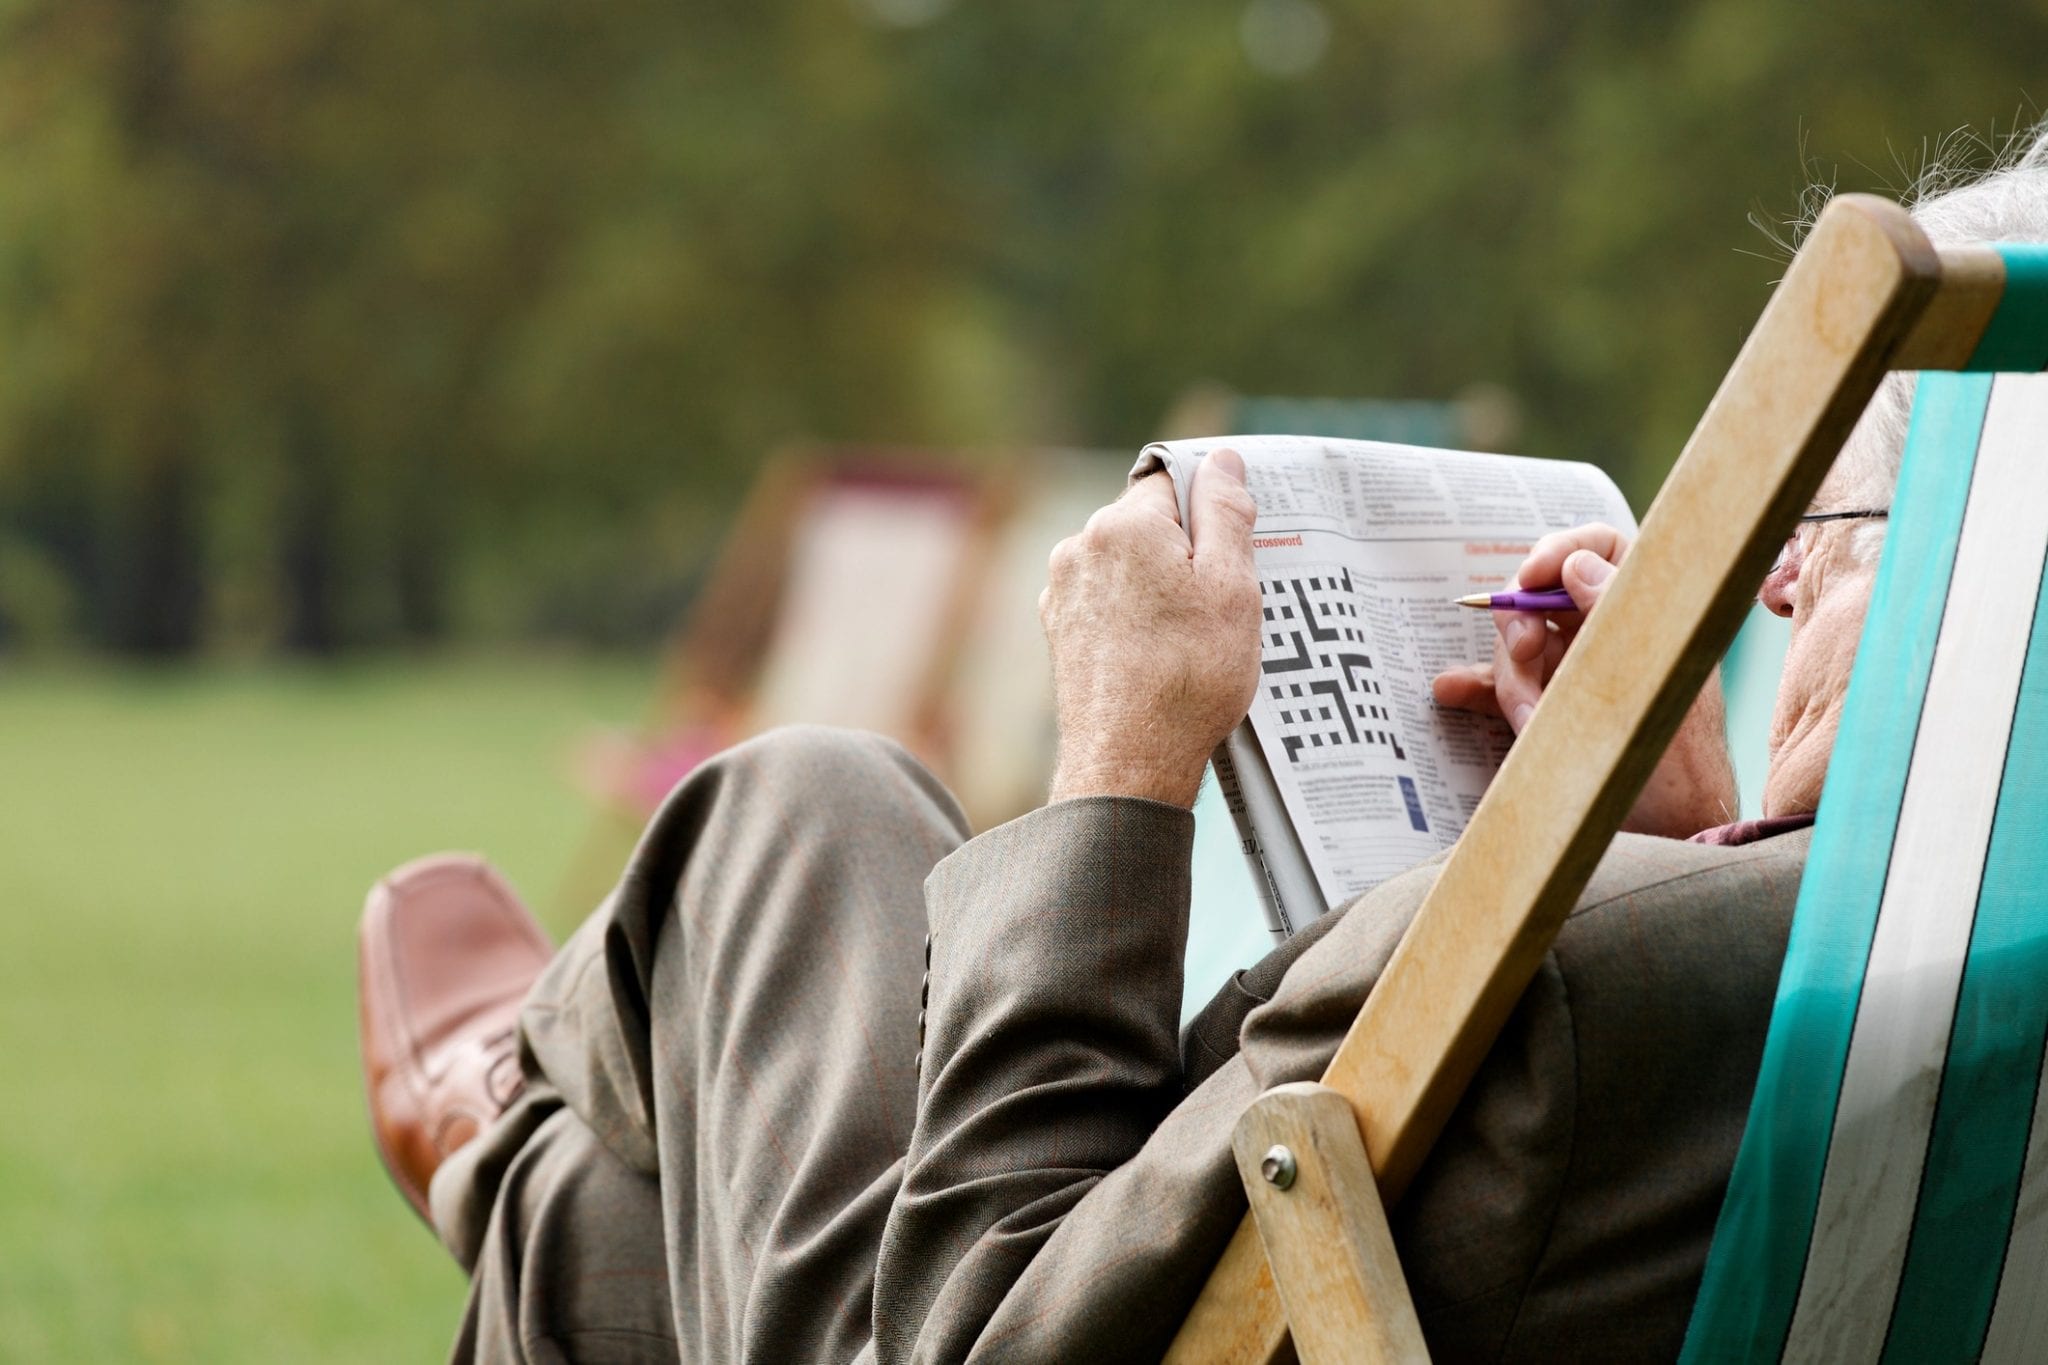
185, 1166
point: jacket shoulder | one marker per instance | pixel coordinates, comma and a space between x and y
1639, 866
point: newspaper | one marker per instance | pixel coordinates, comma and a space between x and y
1347, 771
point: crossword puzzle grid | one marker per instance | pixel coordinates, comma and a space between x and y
1317, 671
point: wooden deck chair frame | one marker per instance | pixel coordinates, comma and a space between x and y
1313, 1264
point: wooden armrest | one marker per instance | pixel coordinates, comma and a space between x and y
1324, 1230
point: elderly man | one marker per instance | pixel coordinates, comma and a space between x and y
826, 1079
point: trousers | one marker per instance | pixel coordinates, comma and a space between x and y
826, 1079
677, 1181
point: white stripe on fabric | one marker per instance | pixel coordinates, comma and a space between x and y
2019, 1318
1893, 1074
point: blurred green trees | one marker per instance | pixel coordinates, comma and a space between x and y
327, 325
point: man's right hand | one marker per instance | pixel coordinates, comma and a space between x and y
1532, 644
1693, 787
1154, 635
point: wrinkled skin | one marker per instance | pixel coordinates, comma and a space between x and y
1154, 636
1821, 582
1823, 585
1693, 787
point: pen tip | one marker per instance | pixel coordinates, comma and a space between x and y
1477, 599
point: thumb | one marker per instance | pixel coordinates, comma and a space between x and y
1220, 509
1585, 577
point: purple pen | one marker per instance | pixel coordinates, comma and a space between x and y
1549, 599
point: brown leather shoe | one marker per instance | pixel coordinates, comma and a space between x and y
446, 955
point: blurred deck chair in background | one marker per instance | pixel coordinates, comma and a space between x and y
1890, 1197
838, 597
888, 591
883, 567
708, 669
950, 661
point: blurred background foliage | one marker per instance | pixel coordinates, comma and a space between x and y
347, 331
343, 325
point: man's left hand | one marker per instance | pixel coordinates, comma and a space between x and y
1154, 634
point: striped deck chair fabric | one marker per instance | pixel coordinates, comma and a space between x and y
1890, 1198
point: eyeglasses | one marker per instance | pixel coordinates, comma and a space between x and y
1813, 518
1879, 514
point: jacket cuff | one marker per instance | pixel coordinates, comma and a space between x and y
1057, 913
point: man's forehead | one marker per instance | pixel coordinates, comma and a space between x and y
1837, 491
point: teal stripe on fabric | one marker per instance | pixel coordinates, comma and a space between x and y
1979, 1144
2017, 338
1758, 1257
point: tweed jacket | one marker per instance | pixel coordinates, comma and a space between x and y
1069, 1181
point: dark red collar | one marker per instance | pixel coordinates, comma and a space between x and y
1749, 831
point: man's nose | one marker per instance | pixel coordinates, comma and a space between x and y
1783, 579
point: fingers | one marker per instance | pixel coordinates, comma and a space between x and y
1468, 687
1518, 683
1522, 634
1516, 690
1143, 521
1218, 497
1504, 688
1585, 576
1544, 567
1146, 507
1532, 644
1526, 635
1152, 493
1597, 548
1221, 513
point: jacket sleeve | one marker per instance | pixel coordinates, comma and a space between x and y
1050, 1052
1066, 1189
1064, 1196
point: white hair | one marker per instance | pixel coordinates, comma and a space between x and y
1953, 205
